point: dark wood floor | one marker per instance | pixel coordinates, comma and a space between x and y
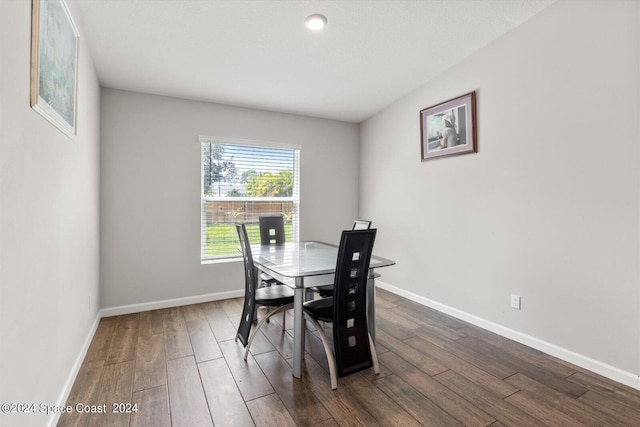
181, 367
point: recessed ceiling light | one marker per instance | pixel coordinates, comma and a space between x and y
315, 22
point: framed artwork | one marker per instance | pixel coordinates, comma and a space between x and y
54, 64
449, 128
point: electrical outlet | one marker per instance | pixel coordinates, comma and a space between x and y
515, 302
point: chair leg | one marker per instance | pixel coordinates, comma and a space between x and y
374, 356
259, 325
255, 314
284, 316
329, 351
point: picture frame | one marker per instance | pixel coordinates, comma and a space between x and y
449, 128
54, 64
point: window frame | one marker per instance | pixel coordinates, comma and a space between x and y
295, 198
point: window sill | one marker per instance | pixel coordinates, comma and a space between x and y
221, 260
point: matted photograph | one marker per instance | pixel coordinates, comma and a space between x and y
54, 64
449, 128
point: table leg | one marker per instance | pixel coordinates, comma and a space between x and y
298, 328
371, 304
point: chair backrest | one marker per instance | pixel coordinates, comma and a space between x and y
360, 224
350, 332
248, 310
271, 230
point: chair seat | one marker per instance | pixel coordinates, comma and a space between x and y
266, 278
324, 291
321, 309
274, 296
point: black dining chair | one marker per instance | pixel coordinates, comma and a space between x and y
277, 298
327, 290
271, 233
353, 349
271, 230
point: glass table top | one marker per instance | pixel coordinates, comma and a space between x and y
303, 259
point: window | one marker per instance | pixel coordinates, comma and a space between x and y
241, 181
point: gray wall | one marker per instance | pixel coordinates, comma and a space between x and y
49, 227
150, 190
548, 208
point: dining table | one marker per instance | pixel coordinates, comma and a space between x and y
303, 265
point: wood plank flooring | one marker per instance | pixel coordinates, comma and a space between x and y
181, 367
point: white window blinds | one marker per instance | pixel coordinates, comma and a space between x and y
241, 181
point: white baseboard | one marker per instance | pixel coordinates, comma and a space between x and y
616, 374
155, 305
68, 385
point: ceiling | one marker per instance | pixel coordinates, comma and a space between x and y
259, 54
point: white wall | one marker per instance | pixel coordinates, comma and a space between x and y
150, 190
548, 208
49, 216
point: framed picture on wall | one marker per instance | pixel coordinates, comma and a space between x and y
54, 64
449, 128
